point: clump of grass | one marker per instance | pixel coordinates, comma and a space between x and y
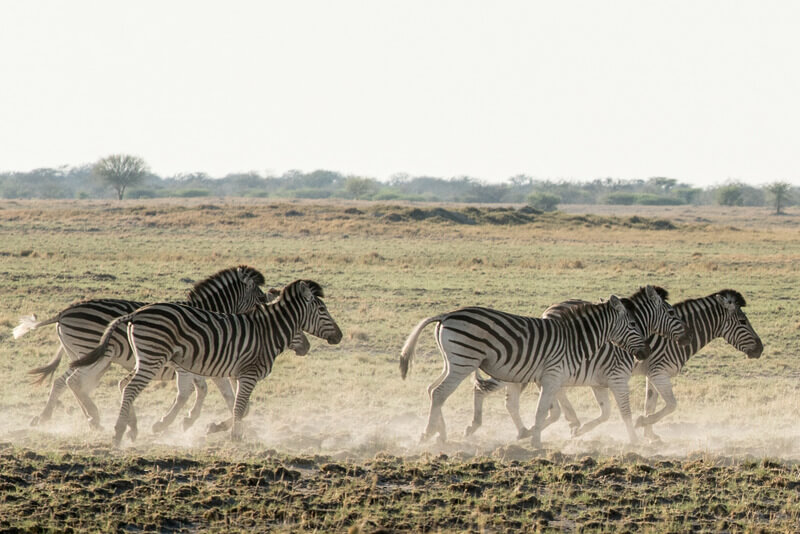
571, 264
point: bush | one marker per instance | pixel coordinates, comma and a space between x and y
143, 193
309, 192
649, 199
730, 195
625, 199
543, 201
191, 193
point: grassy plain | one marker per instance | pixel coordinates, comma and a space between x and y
332, 437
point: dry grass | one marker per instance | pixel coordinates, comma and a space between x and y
383, 268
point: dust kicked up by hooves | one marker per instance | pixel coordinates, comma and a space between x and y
356, 436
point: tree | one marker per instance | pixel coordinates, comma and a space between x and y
360, 188
543, 201
780, 192
121, 170
729, 195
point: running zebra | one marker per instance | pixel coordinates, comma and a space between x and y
717, 315
515, 348
608, 368
238, 346
81, 326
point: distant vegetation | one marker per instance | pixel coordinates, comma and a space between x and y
546, 195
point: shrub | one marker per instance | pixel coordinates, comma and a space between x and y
543, 201
191, 193
657, 200
143, 193
625, 199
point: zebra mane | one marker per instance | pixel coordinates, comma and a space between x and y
725, 293
663, 293
315, 288
579, 309
735, 295
202, 286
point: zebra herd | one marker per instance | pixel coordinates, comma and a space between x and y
577, 343
230, 331
227, 330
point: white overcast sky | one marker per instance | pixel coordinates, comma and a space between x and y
701, 91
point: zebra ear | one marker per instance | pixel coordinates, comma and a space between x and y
245, 278
616, 303
727, 303
305, 291
652, 294
272, 294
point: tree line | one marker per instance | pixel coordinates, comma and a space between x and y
125, 176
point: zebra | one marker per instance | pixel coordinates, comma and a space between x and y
719, 314
238, 346
81, 325
608, 368
515, 348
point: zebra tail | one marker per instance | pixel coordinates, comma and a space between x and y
99, 351
28, 323
46, 371
407, 353
486, 385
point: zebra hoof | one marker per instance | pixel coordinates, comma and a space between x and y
524, 433
214, 428
133, 433
653, 438
640, 422
470, 430
158, 427
187, 423
36, 420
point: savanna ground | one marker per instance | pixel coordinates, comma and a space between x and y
332, 437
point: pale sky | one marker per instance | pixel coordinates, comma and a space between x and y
701, 91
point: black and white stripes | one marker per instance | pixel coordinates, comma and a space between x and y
515, 348
239, 346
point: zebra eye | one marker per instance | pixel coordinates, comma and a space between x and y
743, 322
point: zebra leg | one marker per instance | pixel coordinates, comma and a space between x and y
81, 382
601, 395
555, 409
201, 390
244, 387
58, 387
650, 402
183, 382
663, 385
549, 389
622, 395
442, 388
127, 416
477, 410
224, 386
513, 392
569, 411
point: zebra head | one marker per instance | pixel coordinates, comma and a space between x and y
662, 319
735, 327
625, 331
300, 343
317, 321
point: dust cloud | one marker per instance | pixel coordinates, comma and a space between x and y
350, 433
